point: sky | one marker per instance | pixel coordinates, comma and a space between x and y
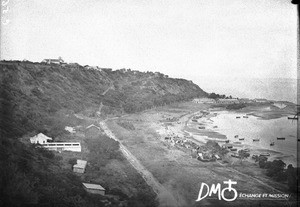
207, 41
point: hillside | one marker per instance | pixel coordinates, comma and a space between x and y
45, 98
31, 93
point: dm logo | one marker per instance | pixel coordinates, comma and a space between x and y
216, 189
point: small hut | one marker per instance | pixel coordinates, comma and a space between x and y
80, 166
94, 188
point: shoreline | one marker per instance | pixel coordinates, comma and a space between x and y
207, 134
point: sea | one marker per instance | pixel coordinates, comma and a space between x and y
278, 89
256, 128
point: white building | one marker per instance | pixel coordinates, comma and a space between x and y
55, 61
245, 100
80, 166
39, 139
70, 129
63, 146
204, 100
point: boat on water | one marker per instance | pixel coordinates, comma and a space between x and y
272, 143
246, 150
241, 138
280, 138
236, 136
238, 117
256, 140
245, 117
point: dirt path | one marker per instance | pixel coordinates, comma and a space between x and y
164, 196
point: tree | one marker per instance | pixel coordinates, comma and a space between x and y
262, 160
291, 174
243, 155
72, 161
275, 169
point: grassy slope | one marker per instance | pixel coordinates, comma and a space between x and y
31, 94
41, 98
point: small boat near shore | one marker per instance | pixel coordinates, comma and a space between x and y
272, 143
238, 117
241, 138
245, 117
264, 154
256, 140
294, 117
227, 146
236, 136
246, 150
280, 138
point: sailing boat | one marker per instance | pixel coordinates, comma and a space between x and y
272, 143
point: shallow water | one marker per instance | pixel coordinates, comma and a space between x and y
266, 130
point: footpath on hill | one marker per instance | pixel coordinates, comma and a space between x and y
164, 196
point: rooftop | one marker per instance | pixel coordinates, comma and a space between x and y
93, 186
41, 136
80, 164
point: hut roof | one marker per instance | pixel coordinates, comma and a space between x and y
93, 186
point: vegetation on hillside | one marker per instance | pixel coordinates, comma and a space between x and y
277, 171
32, 176
44, 98
31, 93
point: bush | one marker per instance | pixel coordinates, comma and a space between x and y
235, 106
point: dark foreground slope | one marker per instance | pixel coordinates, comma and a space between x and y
41, 98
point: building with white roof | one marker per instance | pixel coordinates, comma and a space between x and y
40, 139
80, 166
94, 188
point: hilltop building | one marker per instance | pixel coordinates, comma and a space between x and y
55, 61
